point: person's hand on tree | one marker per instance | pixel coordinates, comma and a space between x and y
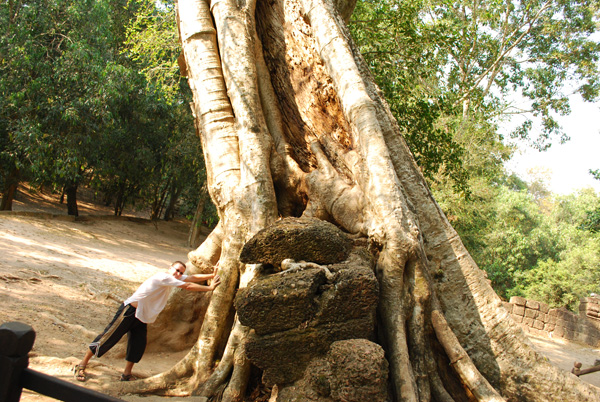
215, 282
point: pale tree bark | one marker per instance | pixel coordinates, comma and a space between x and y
292, 124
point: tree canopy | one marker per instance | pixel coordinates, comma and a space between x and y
81, 106
454, 72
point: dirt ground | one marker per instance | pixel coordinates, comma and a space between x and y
65, 277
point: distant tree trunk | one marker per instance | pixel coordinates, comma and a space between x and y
71, 192
159, 200
173, 198
293, 124
195, 233
10, 189
120, 200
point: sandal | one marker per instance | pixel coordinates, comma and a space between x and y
128, 377
79, 373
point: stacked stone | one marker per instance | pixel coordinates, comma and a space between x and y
533, 316
538, 319
566, 324
590, 307
312, 314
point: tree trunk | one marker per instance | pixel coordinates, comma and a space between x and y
120, 199
10, 189
293, 124
195, 234
71, 192
173, 198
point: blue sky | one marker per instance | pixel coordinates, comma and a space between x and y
569, 163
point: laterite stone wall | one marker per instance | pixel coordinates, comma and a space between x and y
538, 319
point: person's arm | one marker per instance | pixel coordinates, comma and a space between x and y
201, 277
198, 278
194, 287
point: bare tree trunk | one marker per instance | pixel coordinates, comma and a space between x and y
174, 193
10, 189
292, 124
71, 192
195, 234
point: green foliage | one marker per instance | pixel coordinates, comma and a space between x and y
517, 238
398, 52
84, 103
564, 282
542, 249
592, 221
447, 68
153, 42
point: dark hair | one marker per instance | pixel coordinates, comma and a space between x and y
179, 263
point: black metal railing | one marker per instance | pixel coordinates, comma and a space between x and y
16, 341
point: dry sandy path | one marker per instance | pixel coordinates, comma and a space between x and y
66, 277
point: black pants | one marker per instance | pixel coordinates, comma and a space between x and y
124, 322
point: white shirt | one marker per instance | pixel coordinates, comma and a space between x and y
152, 295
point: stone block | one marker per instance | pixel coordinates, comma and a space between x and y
591, 300
592, 314
507, 306
553, 312
532, 304
529, 313
528, 321
518, 310
549, 327
299, 239
538, 332
283, 356
518, 318
544, 308
565, 315
591, 339
569, 335
518, 300
591, 307
559, 331
280, 302
537, 324
551, 319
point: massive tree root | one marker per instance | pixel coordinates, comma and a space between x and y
291, 123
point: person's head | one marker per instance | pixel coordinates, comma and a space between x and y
177, 269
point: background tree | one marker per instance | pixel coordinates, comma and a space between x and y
562, 279
453, 71
27, 29
79, 108
291, 123
152, 42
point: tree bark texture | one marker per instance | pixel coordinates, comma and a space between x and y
71, 192
292, 124
10, 189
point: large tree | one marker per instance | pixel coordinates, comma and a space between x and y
291, 124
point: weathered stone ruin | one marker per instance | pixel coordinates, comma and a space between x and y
312, 314
539, 319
